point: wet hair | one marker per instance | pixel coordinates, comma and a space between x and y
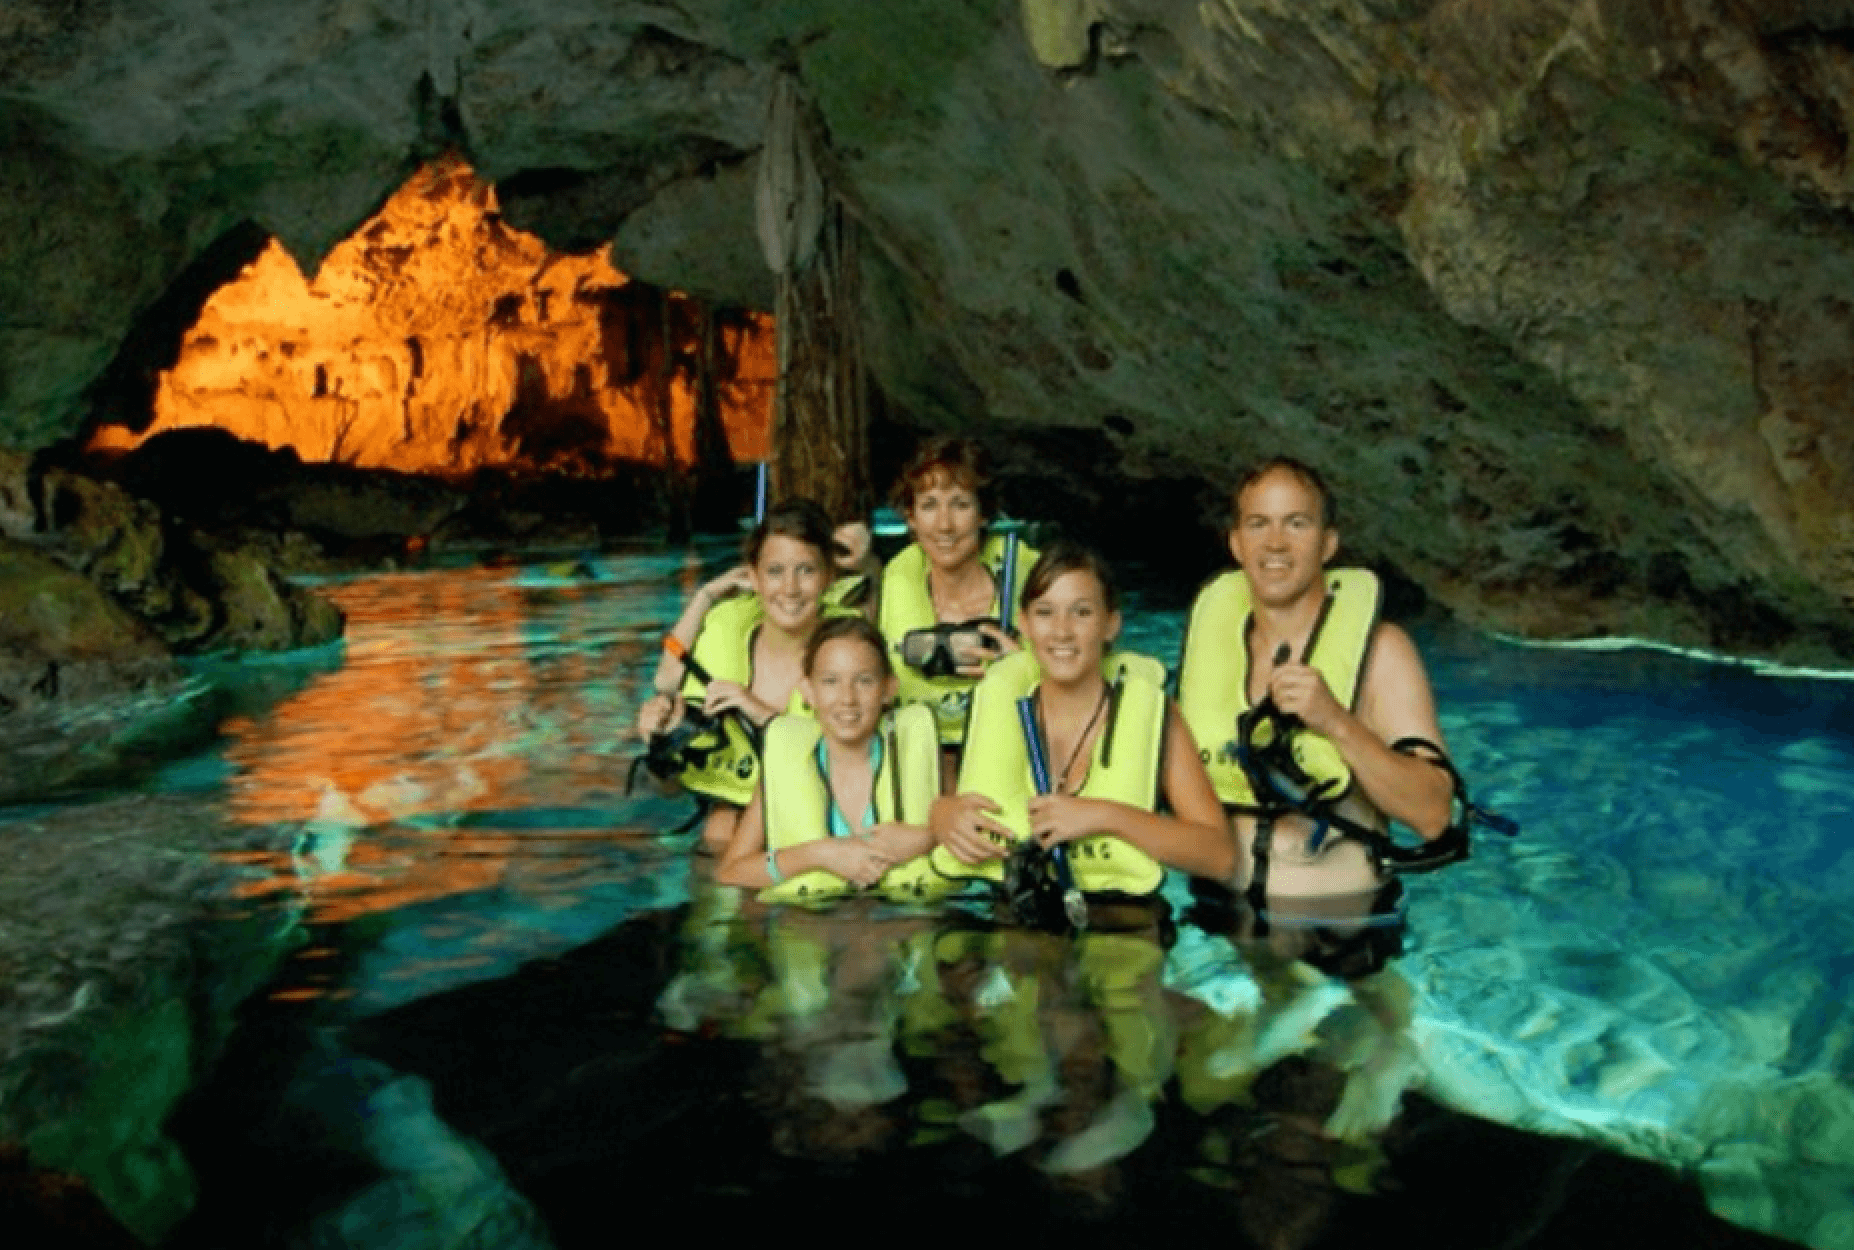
1303, 472
800, 519
960, 461
1063, 556
848, 627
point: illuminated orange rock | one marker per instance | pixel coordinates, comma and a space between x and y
437, 339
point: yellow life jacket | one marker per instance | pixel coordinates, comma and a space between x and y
798, 798
907, 605
1124, 767
848, 593
1213, 674
730, 768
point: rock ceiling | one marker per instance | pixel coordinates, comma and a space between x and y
1560, 291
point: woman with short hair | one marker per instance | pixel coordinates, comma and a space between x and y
955, 573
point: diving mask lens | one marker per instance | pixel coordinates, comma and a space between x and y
927, 651
1285, 775
939, 651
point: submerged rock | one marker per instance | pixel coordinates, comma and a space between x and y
40, 1207
117, 987
439, 1190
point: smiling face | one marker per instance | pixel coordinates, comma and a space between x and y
848, 688
1070, 627
790, 577
1280, 538
946, 522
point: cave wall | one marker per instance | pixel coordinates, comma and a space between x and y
1559, 291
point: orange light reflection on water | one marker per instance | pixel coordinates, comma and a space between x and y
451, 705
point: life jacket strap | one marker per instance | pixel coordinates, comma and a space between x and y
1471, 813
1259, 847
1387, 854
1074, 905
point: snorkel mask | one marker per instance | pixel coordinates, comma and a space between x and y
935, 651
687, 745
694, 738
1266, 742
1272, 746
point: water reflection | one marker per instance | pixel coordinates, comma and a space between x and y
881, 1027
1656, 966
481, 698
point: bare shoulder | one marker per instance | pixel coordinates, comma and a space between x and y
1392, 651
1395, 699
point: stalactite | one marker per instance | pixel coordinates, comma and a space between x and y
820, 415
712, 502
662, 414
676, 485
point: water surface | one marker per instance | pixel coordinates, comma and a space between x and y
519, 1015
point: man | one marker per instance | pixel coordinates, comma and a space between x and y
1285, 630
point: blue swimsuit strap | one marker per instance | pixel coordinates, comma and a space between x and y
838, 826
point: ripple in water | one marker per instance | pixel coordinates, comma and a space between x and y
1659, 965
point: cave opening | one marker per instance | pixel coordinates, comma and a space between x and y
437, 340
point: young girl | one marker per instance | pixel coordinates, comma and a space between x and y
843, 798
752, 646
1114, 747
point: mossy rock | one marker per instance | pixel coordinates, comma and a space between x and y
262, 612
48, 611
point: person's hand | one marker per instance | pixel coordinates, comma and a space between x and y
857, 860
659, 714
972, 657
1300, 690
897, 841
736, 581
727, 696
852, 540
1059, 818
964, 825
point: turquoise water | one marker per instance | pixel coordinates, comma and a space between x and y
1661, 965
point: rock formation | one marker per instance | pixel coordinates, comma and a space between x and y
437, 340
1556, 289
119, 994
98, 593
